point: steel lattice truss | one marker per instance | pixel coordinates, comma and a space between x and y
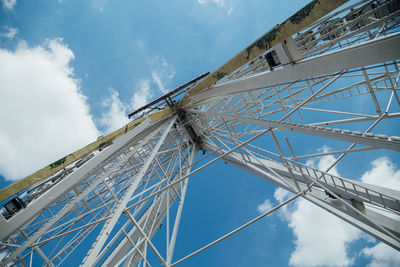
106, 207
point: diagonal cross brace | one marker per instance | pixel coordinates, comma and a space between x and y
91, 257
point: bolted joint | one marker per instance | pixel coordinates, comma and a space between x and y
190, 128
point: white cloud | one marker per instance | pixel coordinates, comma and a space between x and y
230, 10
141, 96
324, 162
116, 112
227, 5
140, 44
157, 79
282, 195
321, 239
116, 115
9, 32
9, 4
265, 206
44, 116
99, 4
162, 74
383, 173
382, 256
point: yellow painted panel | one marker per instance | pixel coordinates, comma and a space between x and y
300, 20
54, 167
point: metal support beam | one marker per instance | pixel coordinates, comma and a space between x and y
376, 141
91, 257
378, 225
364, 54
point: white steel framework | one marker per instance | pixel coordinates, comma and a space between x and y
335, 81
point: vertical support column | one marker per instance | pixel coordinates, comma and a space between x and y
62, 187
91, 257
170, 249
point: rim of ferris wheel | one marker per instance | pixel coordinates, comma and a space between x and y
303, 18
146, 168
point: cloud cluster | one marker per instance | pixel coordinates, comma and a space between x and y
9, 32
324, 163
116, 111
265, 206
322, 239
382, 256
115, 115
44, 116
383, 173
38, 82
9, 4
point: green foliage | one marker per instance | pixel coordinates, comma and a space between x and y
302, 13
58, 162
104, 144
219, 75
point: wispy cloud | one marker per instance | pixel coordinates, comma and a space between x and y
265, 206
162, 75
9, 4
99, 4
142, 94
226, 5
116, 110
140, 44
324, 162
9, 32
115, 115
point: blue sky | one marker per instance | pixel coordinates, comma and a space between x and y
71, 71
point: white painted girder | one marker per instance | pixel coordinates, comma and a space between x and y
378, 225
364, 54
376, 141
56, 192
375, 195
350, 193
26, 214
91, 256
124, 246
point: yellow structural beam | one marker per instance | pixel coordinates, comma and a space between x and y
300, 20
58, 165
